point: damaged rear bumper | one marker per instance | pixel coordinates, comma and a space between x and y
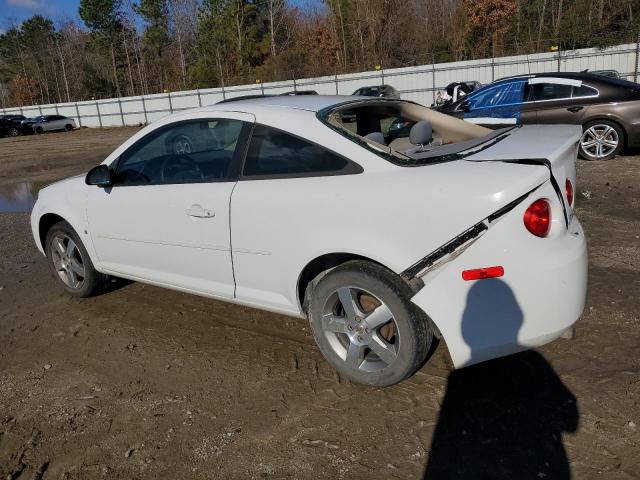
540, 296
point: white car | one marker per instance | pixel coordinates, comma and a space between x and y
51, 123
456, 232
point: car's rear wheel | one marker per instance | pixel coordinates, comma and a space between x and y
366, 326
601, 140
68, 127
39, 130
70, 263
13, 132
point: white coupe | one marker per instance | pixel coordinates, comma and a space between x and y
309, 207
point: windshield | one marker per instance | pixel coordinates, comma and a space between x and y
406, 133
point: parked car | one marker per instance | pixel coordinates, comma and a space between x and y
455, 91
381, 91
49, 123
607, 73
10, 125
289, 211
608, 109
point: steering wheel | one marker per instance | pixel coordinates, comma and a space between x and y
180, 167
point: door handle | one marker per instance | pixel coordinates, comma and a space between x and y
575, 109
199, 212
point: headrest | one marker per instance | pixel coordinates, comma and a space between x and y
376, 137
421, 133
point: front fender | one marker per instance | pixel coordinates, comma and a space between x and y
66, 199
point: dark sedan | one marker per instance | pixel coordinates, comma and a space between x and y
607, 108
380, 91
10, 125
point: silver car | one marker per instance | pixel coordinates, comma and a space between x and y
49, 123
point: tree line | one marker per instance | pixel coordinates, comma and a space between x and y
135, 47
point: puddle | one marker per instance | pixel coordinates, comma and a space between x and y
19, 197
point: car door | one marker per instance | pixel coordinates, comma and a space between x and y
166, 218
282, 173
48, 123
560, 101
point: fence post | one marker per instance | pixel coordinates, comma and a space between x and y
335, 77
40, 109
78, 115
57, 111
121, 114
262, 87
635, 68
99, 117
559, 56
382, 74
199, 98
144, 109
433, 78
170, 104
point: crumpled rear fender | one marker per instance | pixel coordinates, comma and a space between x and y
541, 294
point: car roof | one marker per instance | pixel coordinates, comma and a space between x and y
311, 103
571, 75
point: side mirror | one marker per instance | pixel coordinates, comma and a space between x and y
100, 176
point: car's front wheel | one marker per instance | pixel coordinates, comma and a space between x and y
13, 132
68, 127
601, 140
366, 326
70, 263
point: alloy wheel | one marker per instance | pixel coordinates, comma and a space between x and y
360, 329
599, 141
67, 261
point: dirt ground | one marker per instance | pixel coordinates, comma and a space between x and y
147, 383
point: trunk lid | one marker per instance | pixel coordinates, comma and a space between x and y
554, 146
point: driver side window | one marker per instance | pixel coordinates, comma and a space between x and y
186, 152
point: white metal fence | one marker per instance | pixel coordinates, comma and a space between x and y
417, 83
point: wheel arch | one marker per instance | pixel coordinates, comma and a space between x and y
328, 261
45, 223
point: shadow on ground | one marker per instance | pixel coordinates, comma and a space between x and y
501, 419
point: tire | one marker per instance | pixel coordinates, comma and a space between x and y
13, 132
39, 130
65, 261
601, 140
381, 338
68, 127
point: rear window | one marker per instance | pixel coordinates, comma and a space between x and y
384, 128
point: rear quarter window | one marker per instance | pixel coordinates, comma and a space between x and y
274, 153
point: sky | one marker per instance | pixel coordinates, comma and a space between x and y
15, 11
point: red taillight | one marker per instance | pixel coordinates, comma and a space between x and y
481, 273
537, 218
568, 190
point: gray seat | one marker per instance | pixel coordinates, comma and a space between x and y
376, 137
421, 133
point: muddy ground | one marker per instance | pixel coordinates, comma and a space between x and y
147, 383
